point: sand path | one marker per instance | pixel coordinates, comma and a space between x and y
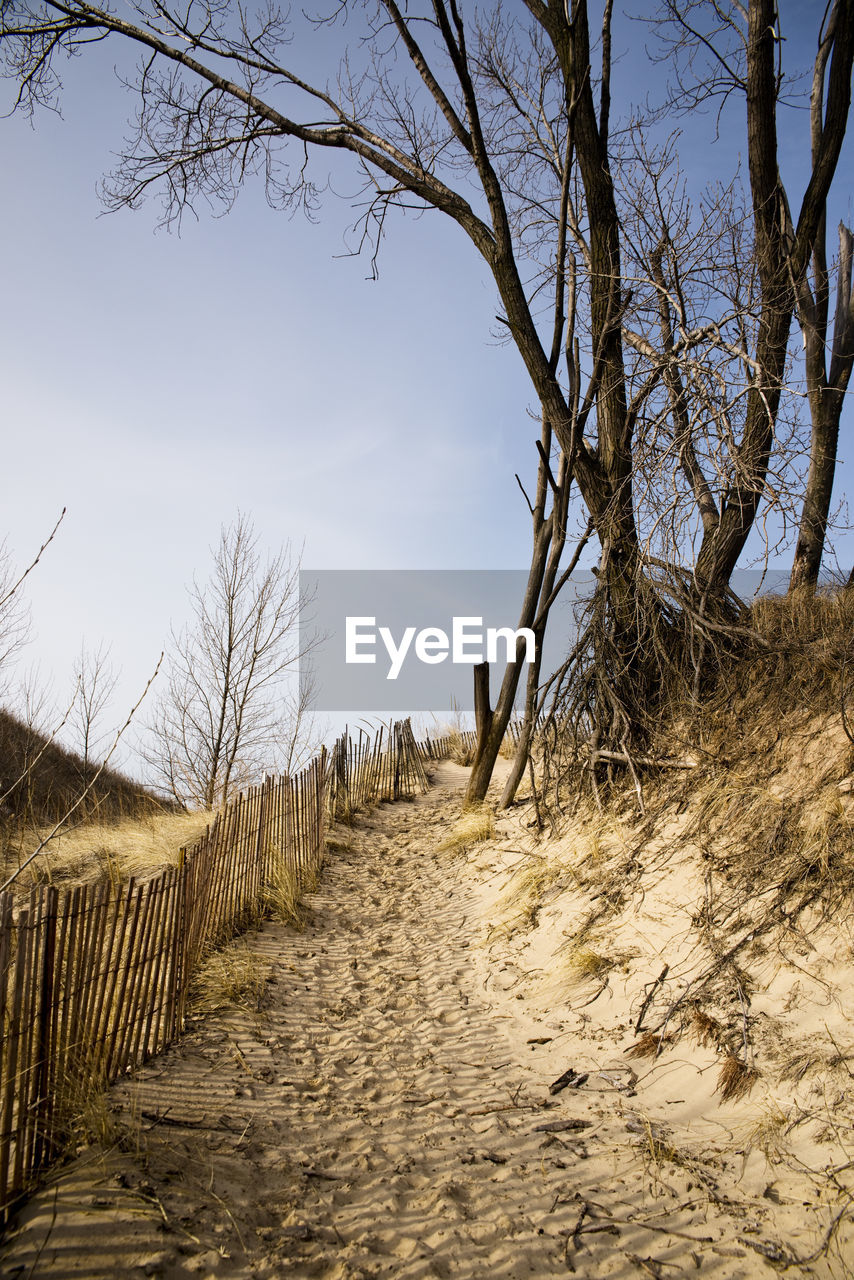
380, 1116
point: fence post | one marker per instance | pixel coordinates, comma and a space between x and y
44, 1102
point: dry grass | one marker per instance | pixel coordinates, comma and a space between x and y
589, 956
116, 851
471, 828
768, 1131
232, 974
461, 747
812, 1056
793, 842
707, 1030
584, 963
82, 1111
650, 1045
94, 1120
767, 805
40, 780
736, 1079
462, 742
525, 895
591, 859
804, 619
282, 895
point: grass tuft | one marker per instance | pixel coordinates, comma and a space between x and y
282, 894
707, 1030
462, 747
650, 1045
471, 828
736, 1079
585, 963
232, 974
769, 1130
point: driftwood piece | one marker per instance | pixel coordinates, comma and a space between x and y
570, 1079
562, 1126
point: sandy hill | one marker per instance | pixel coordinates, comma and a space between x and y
620, 1049
40, 779
611, 1037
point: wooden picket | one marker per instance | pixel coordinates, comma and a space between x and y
94, 980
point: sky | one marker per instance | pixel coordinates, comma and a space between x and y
155, 384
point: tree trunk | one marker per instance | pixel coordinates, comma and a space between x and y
487, 754
782, 258
523, 747
816, 508
826, 397
482, 709
489, 744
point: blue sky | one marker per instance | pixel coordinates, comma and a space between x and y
155, 384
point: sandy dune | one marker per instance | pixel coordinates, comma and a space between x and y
387, 1113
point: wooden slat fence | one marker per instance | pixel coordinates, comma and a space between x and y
388, 766
464, 740
95, 979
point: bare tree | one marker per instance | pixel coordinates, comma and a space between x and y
95, 682
827, 379
734, 48
691, 328
300, 735
827, 382
503, 122
224, 714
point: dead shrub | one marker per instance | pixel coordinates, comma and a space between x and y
650, 1045
736, 1079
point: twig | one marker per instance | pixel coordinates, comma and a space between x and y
843, 1057
748, 1052
697, 984
534, 796
220, 1201
594, 998
652, 1226
524, 494
650, 992
14, 587
650, 1265
514, 1106
828, 1236
572, 1236
636, 779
